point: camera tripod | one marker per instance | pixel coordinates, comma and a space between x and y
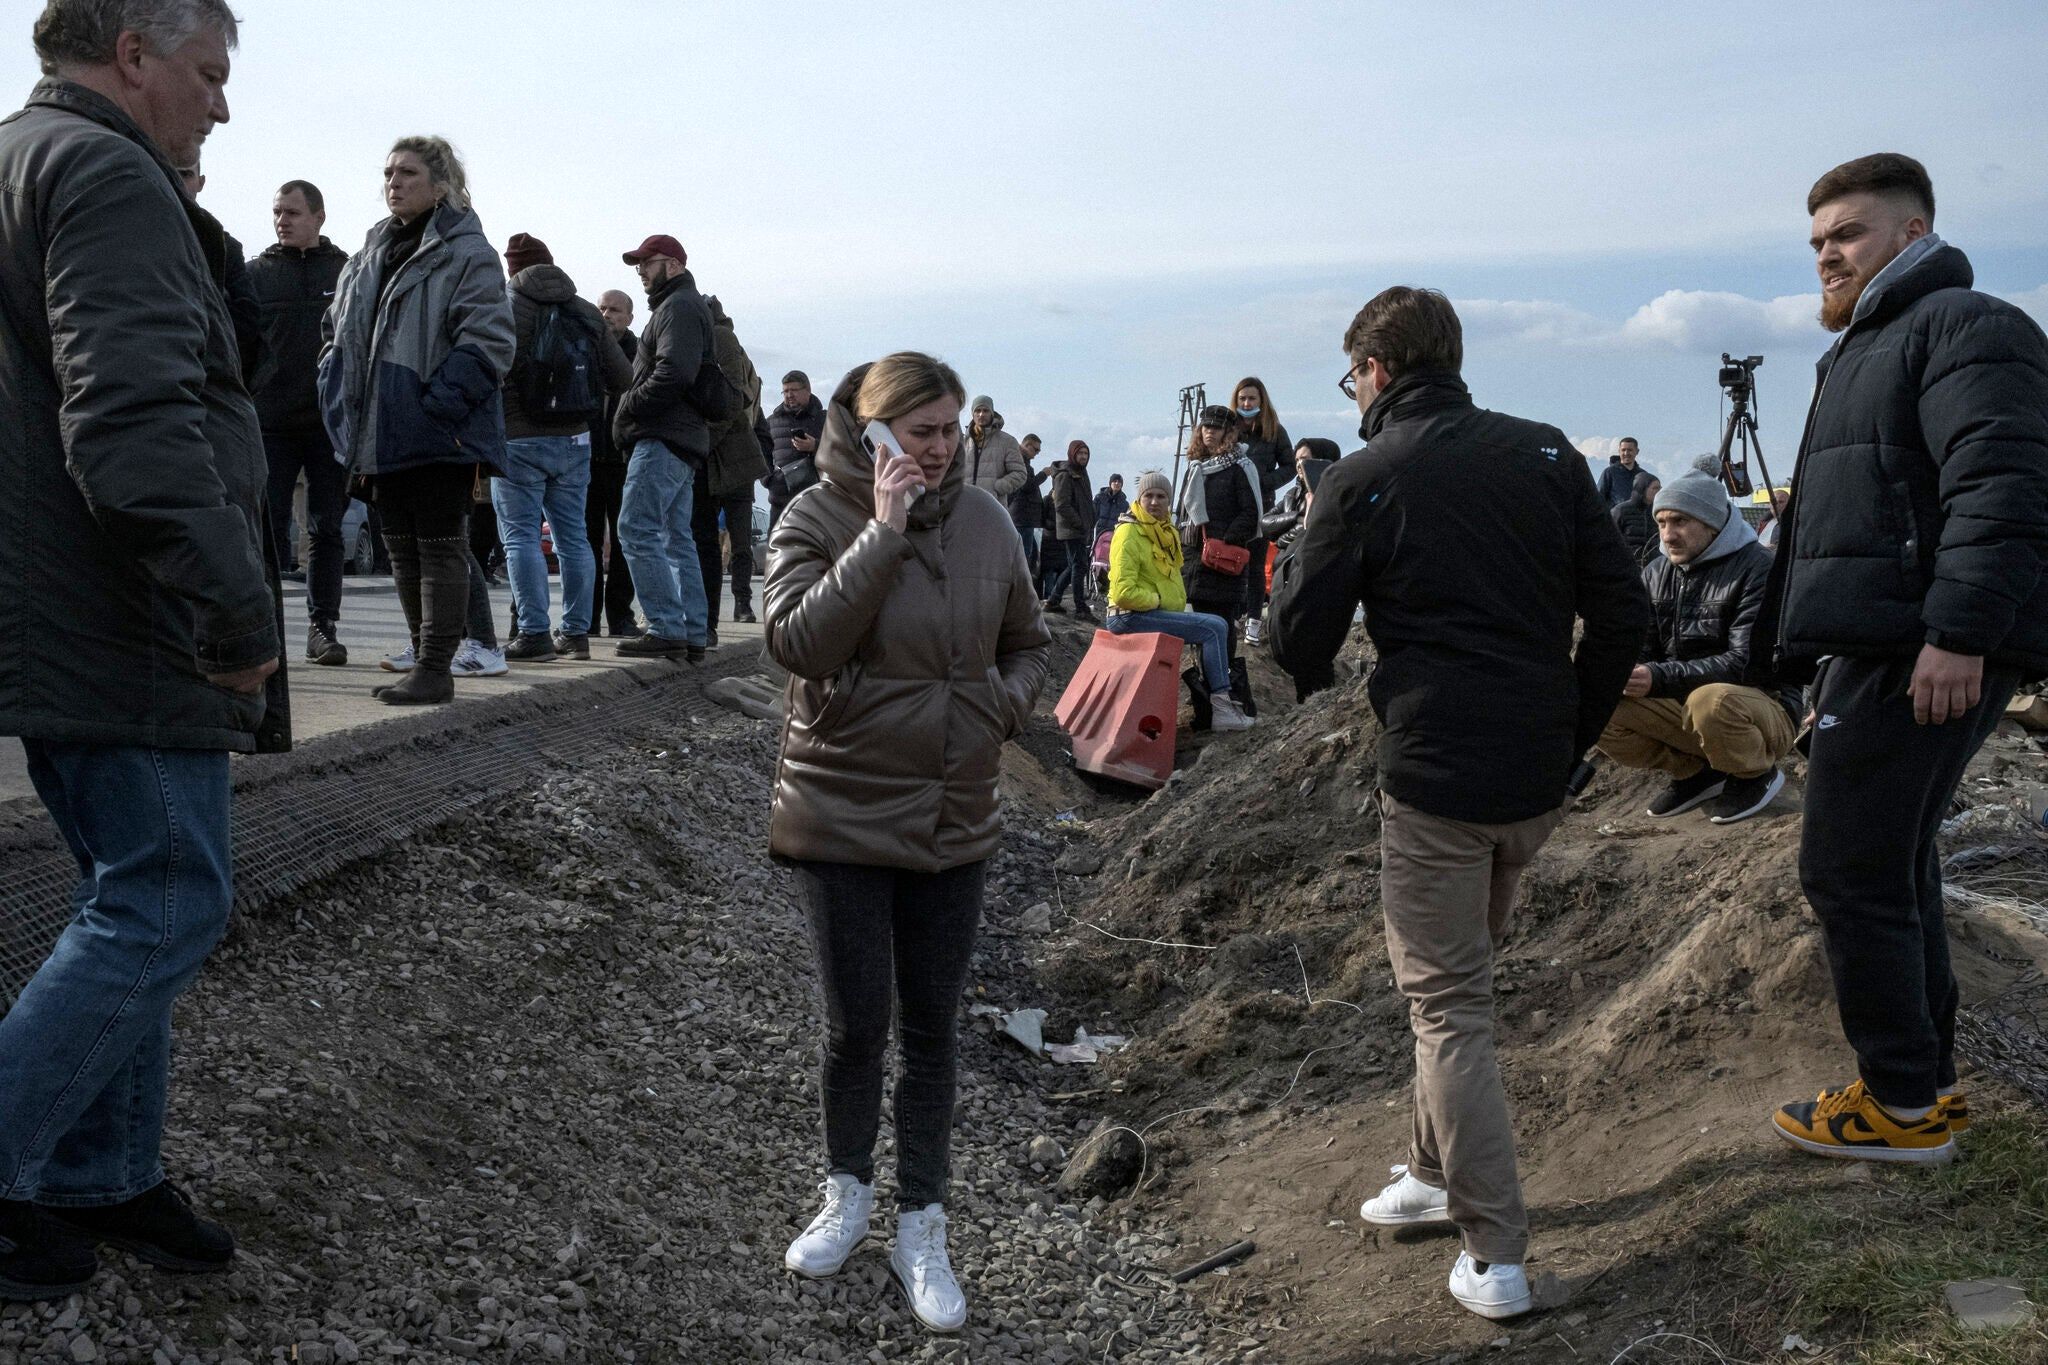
1739, 439
1193, 399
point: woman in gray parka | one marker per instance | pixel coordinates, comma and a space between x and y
418, 342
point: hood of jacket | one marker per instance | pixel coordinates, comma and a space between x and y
1733, 536
545, 284
844, 463
1923, 267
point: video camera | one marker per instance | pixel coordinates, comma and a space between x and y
1739, 376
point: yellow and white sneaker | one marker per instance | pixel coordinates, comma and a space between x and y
1852, 1125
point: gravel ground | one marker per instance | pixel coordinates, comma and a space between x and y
543, 1087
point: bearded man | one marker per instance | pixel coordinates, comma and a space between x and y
1910, 565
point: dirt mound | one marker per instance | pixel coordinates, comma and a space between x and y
1662, 987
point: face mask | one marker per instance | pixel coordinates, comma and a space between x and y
1249, 413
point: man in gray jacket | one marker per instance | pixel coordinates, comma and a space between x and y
146, 622
992, 456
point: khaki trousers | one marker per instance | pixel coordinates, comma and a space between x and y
1448, 890
1739, 730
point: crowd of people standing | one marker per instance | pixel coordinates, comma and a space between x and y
1903, 599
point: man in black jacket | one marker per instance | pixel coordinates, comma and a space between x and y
1636, 519
1475, 542
1027, 507
1686, 711
795, 426
1911, 562
1073, 521
142, 617
659, 422
294, 281
611, 593
1618, 480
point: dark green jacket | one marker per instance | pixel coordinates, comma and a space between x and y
132, 559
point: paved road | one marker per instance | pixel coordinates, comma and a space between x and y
328, 699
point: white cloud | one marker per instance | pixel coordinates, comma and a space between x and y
1532, 320
1713, 320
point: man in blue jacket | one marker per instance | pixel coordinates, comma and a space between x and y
1910, 567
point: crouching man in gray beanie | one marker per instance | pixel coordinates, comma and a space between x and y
1685, 711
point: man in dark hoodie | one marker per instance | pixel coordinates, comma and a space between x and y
565, 364
294, 280
1636, 519
795, 426
1913, 559
737, 461
1073, 524
1686, 711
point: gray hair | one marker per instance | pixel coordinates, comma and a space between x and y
444, 166
73, 33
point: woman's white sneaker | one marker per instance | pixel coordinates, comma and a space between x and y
1502, 1292
1407, 1201
822, 1248
919, 1263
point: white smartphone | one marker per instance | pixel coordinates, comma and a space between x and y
877, 436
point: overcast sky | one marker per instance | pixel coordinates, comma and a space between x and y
1085, 206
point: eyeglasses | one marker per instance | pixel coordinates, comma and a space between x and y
1349, 383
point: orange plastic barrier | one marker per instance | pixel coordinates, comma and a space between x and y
1120, 709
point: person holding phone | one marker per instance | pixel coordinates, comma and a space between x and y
899, 600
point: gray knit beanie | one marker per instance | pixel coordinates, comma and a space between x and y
1700, 496
982, 400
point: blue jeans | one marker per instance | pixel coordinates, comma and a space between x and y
548, 474
85, 1052
654, 531
1211, 634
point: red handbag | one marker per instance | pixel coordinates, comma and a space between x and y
1224, 557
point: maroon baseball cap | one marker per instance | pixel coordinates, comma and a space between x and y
660, 244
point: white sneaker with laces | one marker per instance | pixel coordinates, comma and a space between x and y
1226, 714
398, 660
1406, 1202
919, 1263
1253, 633
473, 660
1502, 1292
822, 1248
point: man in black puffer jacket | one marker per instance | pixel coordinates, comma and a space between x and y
795, 426
1685, 711
1911, 561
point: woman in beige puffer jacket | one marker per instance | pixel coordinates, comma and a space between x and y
911, 629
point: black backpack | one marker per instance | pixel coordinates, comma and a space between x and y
562, 381
713, 395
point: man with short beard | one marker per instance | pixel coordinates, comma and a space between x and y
1910, 565
611, 595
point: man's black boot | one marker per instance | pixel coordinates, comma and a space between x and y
159, 1226
39, 1259
1198, 693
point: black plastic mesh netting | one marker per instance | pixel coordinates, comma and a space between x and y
359, 793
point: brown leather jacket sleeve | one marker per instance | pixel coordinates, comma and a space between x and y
820, 606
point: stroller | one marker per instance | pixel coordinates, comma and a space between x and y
1099, 562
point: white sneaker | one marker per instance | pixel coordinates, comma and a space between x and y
398, 661
1502, 1292
918, 1261
822, 1248
473, 660
1405, 1202
1225, 714
1253, 634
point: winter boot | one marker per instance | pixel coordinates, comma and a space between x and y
1198, 694
405, 577
444, 609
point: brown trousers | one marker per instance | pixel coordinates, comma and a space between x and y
1448, 889
1739, 730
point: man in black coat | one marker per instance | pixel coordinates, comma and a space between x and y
1071, 528
1686, 711
294, 281
1618, 480
611, 594
1636, 519
1476, 542
795, 426
1911, 560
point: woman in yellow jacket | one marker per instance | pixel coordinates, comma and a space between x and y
1147, 594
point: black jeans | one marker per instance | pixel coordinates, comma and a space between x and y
739, 528
1877, 789
1073, 567
883, 933
611, 592
289, 452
